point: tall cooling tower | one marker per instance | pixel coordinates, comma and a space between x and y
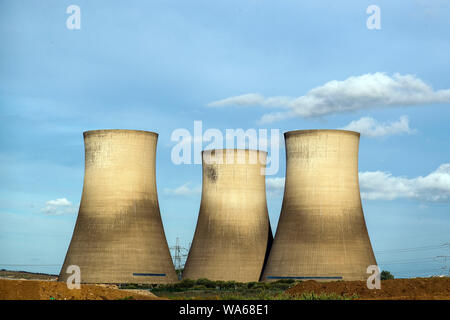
233, 233
321, 233
119, 236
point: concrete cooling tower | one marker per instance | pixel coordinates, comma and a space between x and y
321, 233
119, 236
233, 234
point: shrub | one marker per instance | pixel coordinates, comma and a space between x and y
289, 281
386, 275
183, 284
207, 283
199, 287
229, 285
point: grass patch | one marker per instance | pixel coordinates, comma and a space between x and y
206, 289
325, 296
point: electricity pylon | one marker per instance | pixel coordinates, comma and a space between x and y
179, 257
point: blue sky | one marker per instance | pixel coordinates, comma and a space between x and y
161, 65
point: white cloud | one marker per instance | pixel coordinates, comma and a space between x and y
372, 128
368, 91
59, 206
252, 99
380, 185
63, 202
184, 190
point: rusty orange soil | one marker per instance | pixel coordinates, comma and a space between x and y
14, 286
398, 289
53, 290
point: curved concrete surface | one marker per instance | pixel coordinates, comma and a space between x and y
321, 233
119, 236
233, 229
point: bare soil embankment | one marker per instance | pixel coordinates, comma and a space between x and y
397, 289
53, 290
17, 285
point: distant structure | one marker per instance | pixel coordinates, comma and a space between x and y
179, 255
119, 236
233, 233
321, 233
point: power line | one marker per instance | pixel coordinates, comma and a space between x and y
411, 261
422, 270
444, 258
180, 253
427, 272
441, 246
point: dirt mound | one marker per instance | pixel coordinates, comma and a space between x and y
52, 290
24, 275
397, 289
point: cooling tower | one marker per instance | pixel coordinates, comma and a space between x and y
233, 233
119, 236
321, 233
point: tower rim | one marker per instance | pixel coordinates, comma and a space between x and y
298, 132
99, 131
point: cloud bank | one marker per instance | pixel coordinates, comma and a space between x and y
59, 207
370, 127
379, 185
368, 91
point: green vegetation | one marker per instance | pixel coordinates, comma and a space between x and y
231, 290
324, 296
386, 275
179, 272
286, 296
